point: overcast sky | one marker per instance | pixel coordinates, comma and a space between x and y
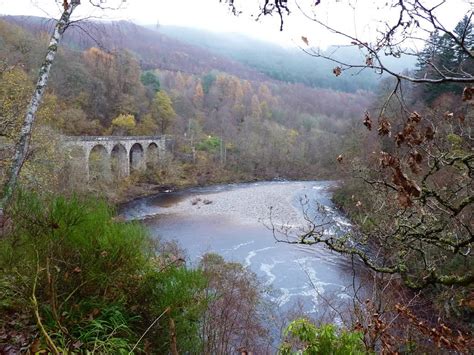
355, 16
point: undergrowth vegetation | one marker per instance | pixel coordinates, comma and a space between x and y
90, 282
305, 337
75, 278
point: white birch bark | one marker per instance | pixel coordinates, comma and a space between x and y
21, 149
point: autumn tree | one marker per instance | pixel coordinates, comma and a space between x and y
123, 125
162, 111
22, 145
14, 92
424, 177
74, 122
198, 95
116, 87
232, 321
147, 126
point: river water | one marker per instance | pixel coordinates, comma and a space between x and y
234, 221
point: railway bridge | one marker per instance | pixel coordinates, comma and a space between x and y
114, 156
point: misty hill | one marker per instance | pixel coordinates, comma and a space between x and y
196, 51
286, 64
153, 49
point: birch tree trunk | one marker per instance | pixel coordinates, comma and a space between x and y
22, 146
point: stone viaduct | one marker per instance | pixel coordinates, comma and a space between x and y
114, 156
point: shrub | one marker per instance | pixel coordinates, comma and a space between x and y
210, 144
91, 282
324, 340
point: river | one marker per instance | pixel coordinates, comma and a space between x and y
233, 220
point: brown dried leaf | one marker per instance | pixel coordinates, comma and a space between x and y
429, 133
367, 121
369, 61
448, 115
408, 129
416, 138
337, 71
468, 93
305, 40
417, 156
407, 185
384, 127
413, 164
399, 139
35, 346
414, 189
386, 160
404, 200
415, 117
409, 135
93, 313
397, 178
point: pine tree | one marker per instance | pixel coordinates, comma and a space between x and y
427, 56
445, 60
465, 33
444, 54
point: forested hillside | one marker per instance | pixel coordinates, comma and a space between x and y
218, 109
152, 49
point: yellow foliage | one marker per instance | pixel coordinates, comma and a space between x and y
47, 112
162, 110
293, 134
256, 110
123, 124
146, 127
124, 121
44, 169
265, 110
15, 91
198, 95
95, 55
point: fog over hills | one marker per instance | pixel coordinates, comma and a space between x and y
286, 63
153, 49
198, 51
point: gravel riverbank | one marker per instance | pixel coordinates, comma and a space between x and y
251, 204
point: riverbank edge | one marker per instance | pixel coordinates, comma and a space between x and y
143, 190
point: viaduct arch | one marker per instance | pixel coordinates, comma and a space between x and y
115, 155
